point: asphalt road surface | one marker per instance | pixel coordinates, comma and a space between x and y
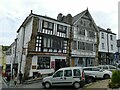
35, 86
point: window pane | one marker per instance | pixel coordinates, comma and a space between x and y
102, 35
48, 44
43, 63
100, 67
95, 69
76, 72
58, 74
105, 67
60, 27
111, 37
75, 45
45, 24
50, 26
68, 73
51, 43
87, 69
111, 67
45, 41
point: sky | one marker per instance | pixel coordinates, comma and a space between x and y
14, 12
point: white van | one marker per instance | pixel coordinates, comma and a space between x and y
66, 76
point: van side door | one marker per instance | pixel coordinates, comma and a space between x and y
67, 77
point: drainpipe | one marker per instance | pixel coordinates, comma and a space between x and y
107, 46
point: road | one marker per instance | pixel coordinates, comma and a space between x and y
37, 85
0, 81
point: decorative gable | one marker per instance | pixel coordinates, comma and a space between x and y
84, 19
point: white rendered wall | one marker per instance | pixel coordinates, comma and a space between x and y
103, 41
107, 43
1, 55
119, 20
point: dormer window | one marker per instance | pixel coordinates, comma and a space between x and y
61, 28
48, 25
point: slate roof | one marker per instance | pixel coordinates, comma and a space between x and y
101, 29
76, 17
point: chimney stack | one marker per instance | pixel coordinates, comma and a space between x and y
69, 18
108, 29
59, 17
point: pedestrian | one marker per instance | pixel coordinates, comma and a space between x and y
8, 79
20, 76
15, 79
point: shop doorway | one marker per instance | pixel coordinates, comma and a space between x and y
59, 63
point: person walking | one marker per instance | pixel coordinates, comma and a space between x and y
8, 79
15, 79
20, 77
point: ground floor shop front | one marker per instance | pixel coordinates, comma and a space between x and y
82, 61
43, 64
47, 64
106, 58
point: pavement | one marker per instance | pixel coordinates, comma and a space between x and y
99, 85
35, 80
30, 81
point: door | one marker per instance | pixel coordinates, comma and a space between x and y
57, 78
67, 77
97, 72
59, 63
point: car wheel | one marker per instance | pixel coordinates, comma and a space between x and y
106, 76
47, 85
90, 79
76, 85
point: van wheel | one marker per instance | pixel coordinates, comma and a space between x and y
76, 85
47, 85
106, 76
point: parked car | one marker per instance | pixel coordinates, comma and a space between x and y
107, 67
118, 65
99, 73
90, 78
73, 76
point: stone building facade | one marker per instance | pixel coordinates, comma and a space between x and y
41, 45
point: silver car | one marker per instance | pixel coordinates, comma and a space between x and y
73, 76
107, 67
99, 73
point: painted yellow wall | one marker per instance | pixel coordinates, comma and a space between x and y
2, 59
72, 62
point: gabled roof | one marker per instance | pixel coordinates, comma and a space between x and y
77, 17
36, 15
